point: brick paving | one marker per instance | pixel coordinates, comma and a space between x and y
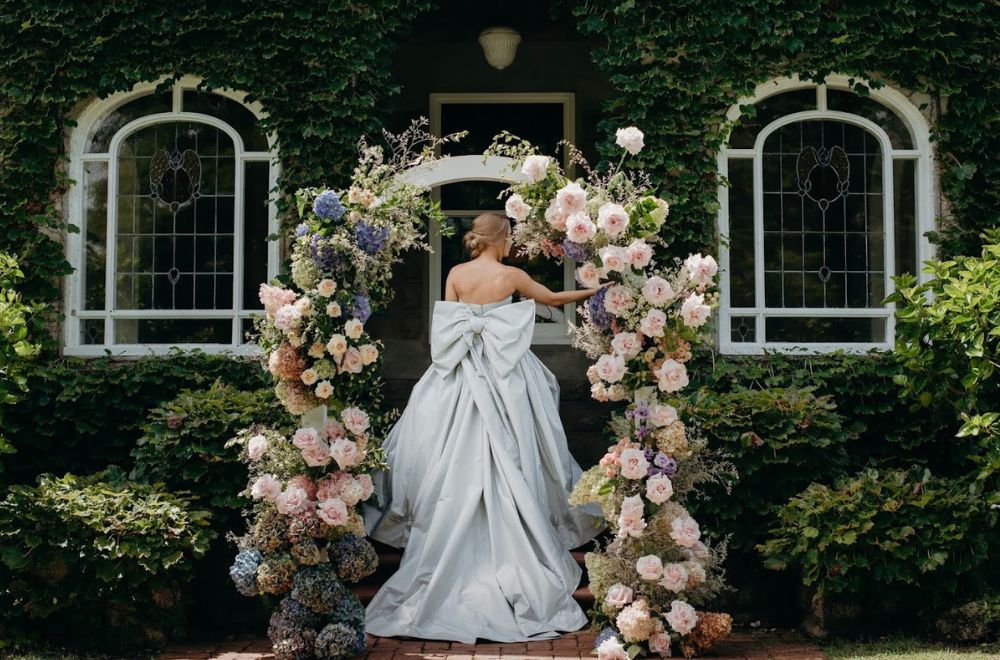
742, 645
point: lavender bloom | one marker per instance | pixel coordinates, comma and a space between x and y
641, 431
669, 466
575, 251
362, 308
648, 453
325, 256
369, 238
641, 410
328, 206
605, 634
661, 460
595, 307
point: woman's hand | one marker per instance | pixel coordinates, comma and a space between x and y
602, 286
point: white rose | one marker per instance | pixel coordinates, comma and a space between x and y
256, 447
612, 218
535, 167
353, 328
613, 257
618, 595
630, 139
626, 344
326, 287
661, 414
652, 323
659, 488
638, 253
701, 269
588, 276
517, 208
681, 617
324, 389
579, 228
657, 291
693, 311
369, 353
675, 577
555, 217
671, 376
649, 567
633, 463
333, 309
684, 531
610, 368
337, 345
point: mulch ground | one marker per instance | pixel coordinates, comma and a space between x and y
741, 645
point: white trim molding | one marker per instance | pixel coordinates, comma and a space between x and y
455, 169
921, 154
87, 119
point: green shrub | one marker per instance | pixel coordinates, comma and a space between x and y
82, 415
902, 530
16, 346
96, 560
183, 443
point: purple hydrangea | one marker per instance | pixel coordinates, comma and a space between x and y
326, 256
575, 251
648, 453
301, 230
606, 634
327, 206
642, 431
361, 309
595, 308
369, 238
666, 464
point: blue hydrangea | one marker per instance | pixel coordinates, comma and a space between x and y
595, 308
339, 640
244, 571
575, 251
290, 640
326, 256
298, 615
606, 634
349, 610
318, 588
301, 230
354, 557
327, 206
361, 309
369, 238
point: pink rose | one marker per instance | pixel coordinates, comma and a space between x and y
659, 489
701, 269
332, 511
555, 217
659, 643
580, 228
334, 429
618, 595
661, 414
287, 318
355, 419
633, 505
305, 483
638, 253
571, 198
657, 291
681, 617
671, 376
696, 550
292, 500
694, 311
675, 577
535, 167
351, 492
266, 487
305, 437
634, 463
617, 300
613, 258
517, 208
631, 525
367, 487
588, 276
316, 455
611, 368
684, 531
649, 567
345, 452
352, 362
652, 323
612, 218
626, 344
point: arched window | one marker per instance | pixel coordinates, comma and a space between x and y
171, 199
829, 197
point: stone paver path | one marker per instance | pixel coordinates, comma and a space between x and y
742, 645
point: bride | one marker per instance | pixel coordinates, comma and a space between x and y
479, 470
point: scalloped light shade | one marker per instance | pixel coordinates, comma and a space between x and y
499, 45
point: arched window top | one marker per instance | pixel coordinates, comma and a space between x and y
181, 99
836, 95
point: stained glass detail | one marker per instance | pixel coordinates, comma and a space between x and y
99, 139
765, 111
175, 205
743, 328
823, 226
95, 233
867, 107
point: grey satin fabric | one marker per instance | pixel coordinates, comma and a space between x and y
477, 490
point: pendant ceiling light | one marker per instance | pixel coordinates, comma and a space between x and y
499, 45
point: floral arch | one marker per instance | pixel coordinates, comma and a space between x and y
306, 542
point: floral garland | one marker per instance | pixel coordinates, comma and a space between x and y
640, 330
306, 538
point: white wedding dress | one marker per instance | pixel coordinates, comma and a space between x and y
477, 490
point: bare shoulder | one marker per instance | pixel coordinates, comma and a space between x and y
513, 274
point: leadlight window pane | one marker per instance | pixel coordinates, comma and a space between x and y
745, 133
744, 329
175, 218
905, 209
100, 135
741, 270
826, 329
92, 331
95, 230
255, 226
233, 113
173, 331
823, 226
468, 195
863, 106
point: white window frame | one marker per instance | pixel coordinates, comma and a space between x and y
74, 202
921, 154
469, 168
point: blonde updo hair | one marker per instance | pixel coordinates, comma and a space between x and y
488, 229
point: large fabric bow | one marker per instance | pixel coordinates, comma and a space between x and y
499, 335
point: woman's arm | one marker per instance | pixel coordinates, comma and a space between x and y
538, 292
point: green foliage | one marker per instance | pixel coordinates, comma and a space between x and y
678, 65
893, 527
948, 339
96, 560
183, 442
84, 414
780, 440
16, 348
